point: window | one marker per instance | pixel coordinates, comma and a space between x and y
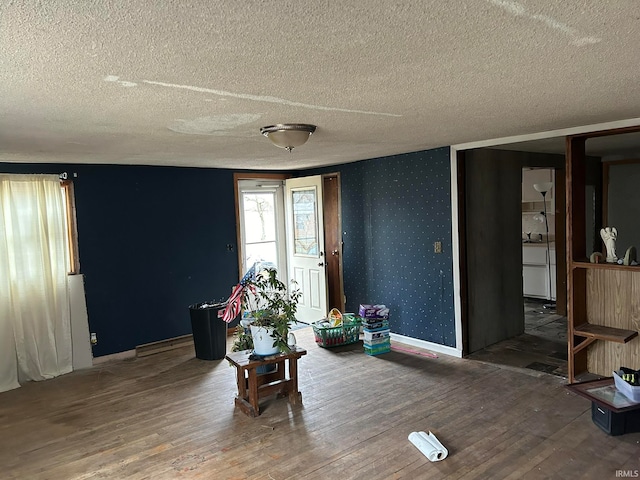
30, 209
260, 205
305, 221
72, 230
35, 323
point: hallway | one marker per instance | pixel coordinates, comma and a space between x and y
541, 348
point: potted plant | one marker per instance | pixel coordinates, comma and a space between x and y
243, 340
272, 308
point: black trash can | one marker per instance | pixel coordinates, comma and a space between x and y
209, 331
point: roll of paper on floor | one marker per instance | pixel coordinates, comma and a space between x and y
429, 446
436, 443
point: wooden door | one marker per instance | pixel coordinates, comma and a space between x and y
333, 240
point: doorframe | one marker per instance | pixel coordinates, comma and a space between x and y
284, 176
457, 221
237, 177
460, 254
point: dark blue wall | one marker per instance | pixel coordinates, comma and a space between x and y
152, 241
393, 210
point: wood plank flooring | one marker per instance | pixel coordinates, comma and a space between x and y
542, 346
172, 416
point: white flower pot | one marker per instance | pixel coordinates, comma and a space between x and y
246, 323
263, 341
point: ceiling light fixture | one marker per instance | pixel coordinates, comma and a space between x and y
288, 135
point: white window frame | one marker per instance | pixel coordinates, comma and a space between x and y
247, 186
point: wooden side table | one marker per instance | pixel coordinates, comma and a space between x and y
253, 386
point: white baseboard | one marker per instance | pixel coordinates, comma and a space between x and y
434, 347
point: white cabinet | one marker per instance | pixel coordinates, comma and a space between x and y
534, 281
535, 254
535, 274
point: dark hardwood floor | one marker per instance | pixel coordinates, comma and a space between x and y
542, 347
172, 416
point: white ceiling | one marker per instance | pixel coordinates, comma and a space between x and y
177, 82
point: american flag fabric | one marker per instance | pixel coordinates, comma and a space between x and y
234, 303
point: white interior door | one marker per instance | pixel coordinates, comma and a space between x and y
305, 245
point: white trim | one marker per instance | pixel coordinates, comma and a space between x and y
455, 250
632, 122
114, 356
434, 347
257, 185
80, 336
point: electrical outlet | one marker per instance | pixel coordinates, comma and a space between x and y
437, 247
94, 338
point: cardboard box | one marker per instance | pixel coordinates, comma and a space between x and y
377, 342
379, 334
377, 350
375, 324
373, 311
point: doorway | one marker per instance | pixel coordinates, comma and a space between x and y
500, 324
261, 220
262, 207
542, 347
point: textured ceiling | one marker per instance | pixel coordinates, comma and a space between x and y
191, 82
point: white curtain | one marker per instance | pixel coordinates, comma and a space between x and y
35, 330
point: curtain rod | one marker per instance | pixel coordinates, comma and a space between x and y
65, 175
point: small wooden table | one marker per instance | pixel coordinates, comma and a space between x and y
611, 411
603, 392
252, 386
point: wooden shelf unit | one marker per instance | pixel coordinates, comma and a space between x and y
603, 299
600, 332
605, 266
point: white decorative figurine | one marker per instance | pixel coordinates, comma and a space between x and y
609, 235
